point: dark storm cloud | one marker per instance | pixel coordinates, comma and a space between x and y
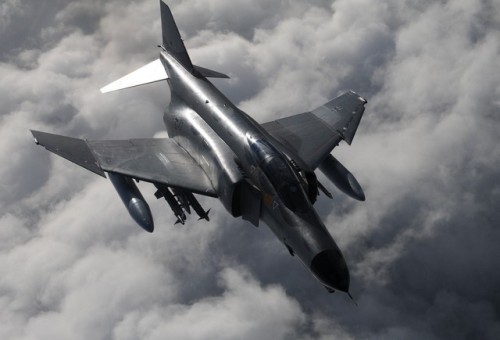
422, 249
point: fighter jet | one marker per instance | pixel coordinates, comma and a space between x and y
260, 172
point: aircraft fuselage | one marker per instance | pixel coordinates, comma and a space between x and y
258, 172
207, 124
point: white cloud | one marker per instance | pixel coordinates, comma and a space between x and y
422, 248
245, 310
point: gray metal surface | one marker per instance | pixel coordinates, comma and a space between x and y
205, 72
342, 178
73, 149
258, 172
313, 135
172, 40
301, 230
133, 200
150, 73
158, 160
216, 158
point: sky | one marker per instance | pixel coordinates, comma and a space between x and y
422, 249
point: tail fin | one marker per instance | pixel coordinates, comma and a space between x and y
172, 40
155, 71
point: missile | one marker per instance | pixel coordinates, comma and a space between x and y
182, 199
164, 191
197, 206
342, 178
133, 200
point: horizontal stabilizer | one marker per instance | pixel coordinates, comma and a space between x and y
205, 72
150, 73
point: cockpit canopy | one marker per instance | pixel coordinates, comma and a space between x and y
279, 172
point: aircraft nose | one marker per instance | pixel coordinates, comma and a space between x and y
330, 268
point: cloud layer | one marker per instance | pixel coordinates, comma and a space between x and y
423, 249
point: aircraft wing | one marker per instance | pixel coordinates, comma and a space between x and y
156, 160
312, 135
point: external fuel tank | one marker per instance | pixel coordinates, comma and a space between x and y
342, 178
133, 200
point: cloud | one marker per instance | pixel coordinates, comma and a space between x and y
245, 310
8, 9
422, 249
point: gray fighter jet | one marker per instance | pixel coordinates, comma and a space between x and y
258, 171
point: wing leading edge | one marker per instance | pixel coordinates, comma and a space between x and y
312, 135
156, 160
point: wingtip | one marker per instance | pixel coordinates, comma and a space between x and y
34, 138
35, 133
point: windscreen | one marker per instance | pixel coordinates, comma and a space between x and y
277, 169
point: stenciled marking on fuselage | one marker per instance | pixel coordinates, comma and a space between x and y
163, 159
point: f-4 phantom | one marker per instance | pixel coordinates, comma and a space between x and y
260, 172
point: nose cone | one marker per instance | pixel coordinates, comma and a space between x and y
330, 268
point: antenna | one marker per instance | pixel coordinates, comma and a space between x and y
349, 294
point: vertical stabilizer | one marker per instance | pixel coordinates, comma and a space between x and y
172, 41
